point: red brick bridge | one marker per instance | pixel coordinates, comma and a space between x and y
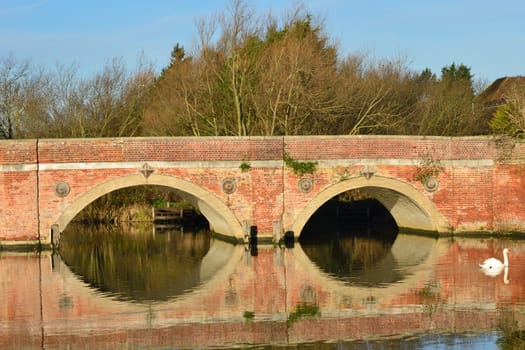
438, 184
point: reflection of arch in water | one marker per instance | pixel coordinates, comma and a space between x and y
221, 218
217, 257
416, 254
137, 265
215, 267
409, 207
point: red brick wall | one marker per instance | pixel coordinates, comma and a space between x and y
159, 149
390, 147
481, 182
18, 195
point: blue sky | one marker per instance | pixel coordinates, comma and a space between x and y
488, 36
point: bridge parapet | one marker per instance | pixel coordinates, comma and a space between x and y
160, 149
400, 147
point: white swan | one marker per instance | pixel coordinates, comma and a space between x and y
495, 264
506, 276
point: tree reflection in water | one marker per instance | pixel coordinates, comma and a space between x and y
138, 266
353, 242
358, 260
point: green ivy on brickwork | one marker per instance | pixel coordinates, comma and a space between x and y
298, 167
245, 166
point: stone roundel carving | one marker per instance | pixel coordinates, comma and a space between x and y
229, 185
431, 184
62, 189
305, 184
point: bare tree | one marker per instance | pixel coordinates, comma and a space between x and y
254, 80
111, 103
204, 94
235, 43
375, 95
447, 105
183, 98
22, 98
295, 90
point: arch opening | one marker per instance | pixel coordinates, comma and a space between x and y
161, 207
351, 213
220, 218
356, 231
349, 236
411, 209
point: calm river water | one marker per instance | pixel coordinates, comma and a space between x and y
139, 289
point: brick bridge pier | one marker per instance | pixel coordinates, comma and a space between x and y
435, 184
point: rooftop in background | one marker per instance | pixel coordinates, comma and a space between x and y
497, 92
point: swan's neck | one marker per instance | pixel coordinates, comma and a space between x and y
505, 259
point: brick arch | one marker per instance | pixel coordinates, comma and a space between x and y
409, 207
222, 220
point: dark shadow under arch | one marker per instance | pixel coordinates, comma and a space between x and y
409, 207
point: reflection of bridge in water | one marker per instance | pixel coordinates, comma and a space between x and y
441, 290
